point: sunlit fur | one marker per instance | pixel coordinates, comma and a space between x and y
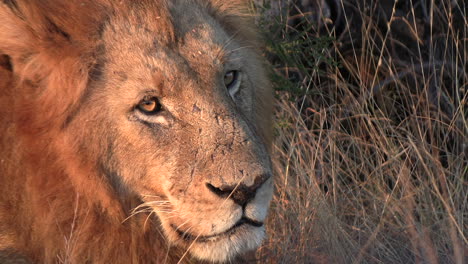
84, 176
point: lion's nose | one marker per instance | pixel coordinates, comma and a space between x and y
240, 193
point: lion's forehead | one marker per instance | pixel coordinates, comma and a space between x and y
195, 52
192, 31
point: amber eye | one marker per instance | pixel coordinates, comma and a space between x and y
149, 106
230, 79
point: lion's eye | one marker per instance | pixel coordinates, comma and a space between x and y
149, 106
232, 81
230, 78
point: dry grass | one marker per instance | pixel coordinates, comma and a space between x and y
372, 134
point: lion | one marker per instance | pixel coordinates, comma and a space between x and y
132, 131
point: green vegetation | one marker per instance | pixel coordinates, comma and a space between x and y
371, 149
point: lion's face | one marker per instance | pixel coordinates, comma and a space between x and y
179, 109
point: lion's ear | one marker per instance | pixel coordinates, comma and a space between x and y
48, 29
26, 34
10, 36
46, 51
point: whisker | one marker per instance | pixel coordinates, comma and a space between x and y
217, 210
151, 207
237, 49
146, 220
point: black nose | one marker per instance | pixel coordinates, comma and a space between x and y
240, 193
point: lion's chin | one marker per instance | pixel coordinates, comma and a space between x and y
225, 246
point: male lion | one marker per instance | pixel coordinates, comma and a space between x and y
132, 131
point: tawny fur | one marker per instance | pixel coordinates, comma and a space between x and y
55, 204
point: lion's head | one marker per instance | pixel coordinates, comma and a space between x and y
164, 102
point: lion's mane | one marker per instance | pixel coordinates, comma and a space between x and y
53, 206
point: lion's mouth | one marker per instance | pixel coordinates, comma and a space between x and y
190, 237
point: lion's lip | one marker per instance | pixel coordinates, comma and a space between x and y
190, 237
